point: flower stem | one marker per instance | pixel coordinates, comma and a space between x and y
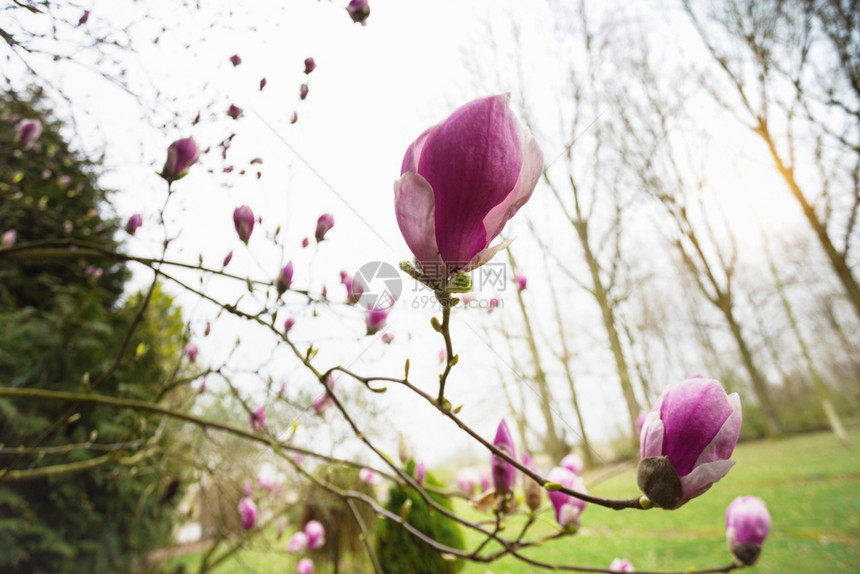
445, 300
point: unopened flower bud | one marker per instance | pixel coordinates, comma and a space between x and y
27, 132
533, 493
358, 11
243, 220
324, 224
10, 236
375, 319
521, 281
133, 223
297, 543
248, 512
310, 65
504, 473
747, 525
315, 533
285, 278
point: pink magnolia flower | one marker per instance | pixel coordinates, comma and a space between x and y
315, 533
621, 565
243, 220
248, 512
27, 132
387, 338
133, 223
461, 181
256, 161
468, 479
303, 91
305, 566
227, 259
181, 155
297, 543
262, 83
573, 463
285, 278
294, 118
375, 319
324, 224
235, 59
521, 282
359, 10
310, 65
747, 525
207, 329
686, 441
10, 236
191, 352
305, 242
493, 304
258, 418
85, 17
288, 324
368, 475
504, 473
567, 507
235, 111
420, 472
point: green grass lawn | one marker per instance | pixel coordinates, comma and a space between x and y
811, 486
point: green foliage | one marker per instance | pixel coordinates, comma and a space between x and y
400, 552
63, 330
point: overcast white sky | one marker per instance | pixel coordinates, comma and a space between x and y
375, 89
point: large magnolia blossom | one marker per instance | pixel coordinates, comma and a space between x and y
691, 431
461, 181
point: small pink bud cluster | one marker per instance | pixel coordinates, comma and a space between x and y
621, 565
311, 538
470, 480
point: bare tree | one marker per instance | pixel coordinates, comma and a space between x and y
794, 70
660, 154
